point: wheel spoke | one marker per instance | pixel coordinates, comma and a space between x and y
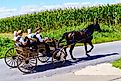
33, 62
11, 52
58, 57
31, 65
26, 66
14, 63
10, 62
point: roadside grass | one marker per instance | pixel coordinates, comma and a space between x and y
108, 34
5, 44
117, 63
6, 35
9, 35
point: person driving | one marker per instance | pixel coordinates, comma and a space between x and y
37, 33
40, 40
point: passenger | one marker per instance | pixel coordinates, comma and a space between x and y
15, 35
29, 33
32, 38
37, 33
19, 39
40, 40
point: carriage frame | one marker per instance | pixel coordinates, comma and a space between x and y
26, 59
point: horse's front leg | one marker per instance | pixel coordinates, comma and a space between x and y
65, 53
90, 43
71, 49
85, 44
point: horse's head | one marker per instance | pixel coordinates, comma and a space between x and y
97, 27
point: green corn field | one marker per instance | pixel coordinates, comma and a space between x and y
54, 19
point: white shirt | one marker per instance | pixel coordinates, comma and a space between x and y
15, 38
20, 40
39, 37
30, 35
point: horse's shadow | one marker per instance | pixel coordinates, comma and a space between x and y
50, 66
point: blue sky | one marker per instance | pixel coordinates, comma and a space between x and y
16, 7
20, 3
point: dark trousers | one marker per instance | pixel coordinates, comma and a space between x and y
46, 47
33, 45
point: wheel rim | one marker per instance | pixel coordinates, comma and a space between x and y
26, 65
58, 60
42, 57
11, 58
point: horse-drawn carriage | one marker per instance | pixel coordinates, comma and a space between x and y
25, 58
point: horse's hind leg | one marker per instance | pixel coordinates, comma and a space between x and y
85, 44
90, 43
65, 52
71, 49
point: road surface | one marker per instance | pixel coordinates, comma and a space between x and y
104, 52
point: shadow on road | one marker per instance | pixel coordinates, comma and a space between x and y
95, 57
50, 66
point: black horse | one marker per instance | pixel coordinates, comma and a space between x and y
83, 36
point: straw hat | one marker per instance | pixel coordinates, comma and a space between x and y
19, 32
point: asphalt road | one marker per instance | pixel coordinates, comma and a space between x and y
104, 52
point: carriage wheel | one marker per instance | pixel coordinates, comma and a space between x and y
58, 57
42, 57
11, 58
26, 65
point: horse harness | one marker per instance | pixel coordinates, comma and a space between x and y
79, 35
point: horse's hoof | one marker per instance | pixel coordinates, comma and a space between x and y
74, 58
88, 51
88, 55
